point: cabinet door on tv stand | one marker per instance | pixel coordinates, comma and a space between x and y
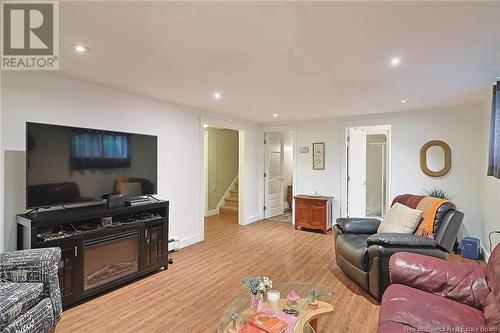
70, 269
154, 252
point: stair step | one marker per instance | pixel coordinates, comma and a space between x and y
225, 210
232, 198
231, 204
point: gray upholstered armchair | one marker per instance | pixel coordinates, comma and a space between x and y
30, 299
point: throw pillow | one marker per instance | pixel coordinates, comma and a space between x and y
400, 219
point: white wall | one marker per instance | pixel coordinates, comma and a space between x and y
490, 186
458, 126
50, 98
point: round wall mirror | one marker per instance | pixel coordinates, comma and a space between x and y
435, 158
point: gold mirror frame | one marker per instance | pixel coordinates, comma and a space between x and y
447, 158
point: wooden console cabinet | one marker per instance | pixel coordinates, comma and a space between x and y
96, 258
313, 212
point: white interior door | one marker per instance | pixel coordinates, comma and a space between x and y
274, 195
356, 173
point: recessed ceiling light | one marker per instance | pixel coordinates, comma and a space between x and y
217, 95
80, 49
395, 61
275, 115
404, 101
205, 125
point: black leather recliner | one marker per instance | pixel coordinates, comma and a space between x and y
363, 254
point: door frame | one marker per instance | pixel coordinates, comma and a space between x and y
274, 129
371, 128
241, 166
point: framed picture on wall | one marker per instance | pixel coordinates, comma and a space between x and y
319, 156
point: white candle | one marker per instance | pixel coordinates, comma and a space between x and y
273, 298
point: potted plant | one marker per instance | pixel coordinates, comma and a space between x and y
257, 286
313, 300
438, 193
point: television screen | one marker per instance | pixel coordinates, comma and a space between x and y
69, 165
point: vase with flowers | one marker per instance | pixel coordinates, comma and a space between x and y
258, 286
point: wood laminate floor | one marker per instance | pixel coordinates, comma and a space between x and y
193, 293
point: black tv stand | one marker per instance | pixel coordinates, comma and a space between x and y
97, 257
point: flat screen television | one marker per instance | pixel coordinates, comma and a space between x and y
73, 165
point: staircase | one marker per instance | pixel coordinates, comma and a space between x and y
230, 206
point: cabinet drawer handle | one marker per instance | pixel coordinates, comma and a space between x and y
76, 251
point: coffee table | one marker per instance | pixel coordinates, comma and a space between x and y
238, 312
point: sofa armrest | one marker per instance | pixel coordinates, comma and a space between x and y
358, 225
35, 265
461, 282
394, 239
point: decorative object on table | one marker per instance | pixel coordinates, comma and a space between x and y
290, 319
438, 193
293, 297
313, 300
257, 286
291, 312
319, 156
470, 248
249, 328
434, 153
273, 299
268, 322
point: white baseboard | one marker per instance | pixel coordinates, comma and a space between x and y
253, 219
212, 212
190, 240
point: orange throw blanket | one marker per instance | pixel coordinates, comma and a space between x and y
429, 207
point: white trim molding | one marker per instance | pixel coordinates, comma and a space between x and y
254, 218
212, 212
190, 240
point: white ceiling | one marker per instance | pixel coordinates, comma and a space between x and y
299, 60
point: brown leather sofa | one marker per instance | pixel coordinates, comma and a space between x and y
363, 254
434, 295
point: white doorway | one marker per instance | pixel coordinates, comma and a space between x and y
368, 161
222, 172
278, 175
